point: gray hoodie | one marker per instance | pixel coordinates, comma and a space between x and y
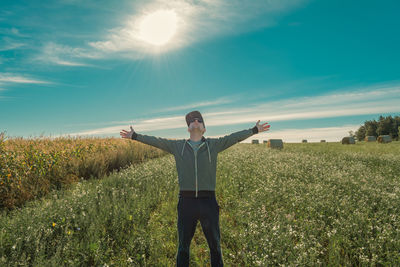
196, 169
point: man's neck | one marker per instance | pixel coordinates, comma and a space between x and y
195, 137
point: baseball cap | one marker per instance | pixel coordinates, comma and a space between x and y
194, 115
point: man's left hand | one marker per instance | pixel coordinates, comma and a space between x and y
263, 127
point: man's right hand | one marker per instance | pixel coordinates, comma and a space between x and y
126, 134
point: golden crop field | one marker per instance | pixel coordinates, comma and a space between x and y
30, 168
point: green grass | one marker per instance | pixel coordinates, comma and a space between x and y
308, 204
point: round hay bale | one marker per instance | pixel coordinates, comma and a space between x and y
304, 141
348, 140
384, 139
370, 138
254, 141
275, 143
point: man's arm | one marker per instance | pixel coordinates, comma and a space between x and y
161, 143
229, 140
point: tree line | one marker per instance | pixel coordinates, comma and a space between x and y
383, 126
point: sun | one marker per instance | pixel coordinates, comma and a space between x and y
159, 27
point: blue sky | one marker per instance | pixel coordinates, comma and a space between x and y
312, 69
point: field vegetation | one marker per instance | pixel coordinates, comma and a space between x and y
30, 168
307, 204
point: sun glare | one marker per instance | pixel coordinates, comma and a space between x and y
159, 27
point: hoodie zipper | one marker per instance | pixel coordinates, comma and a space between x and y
195, 165
195, 169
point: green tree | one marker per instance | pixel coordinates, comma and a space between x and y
396, 127
370, 128
385, 125
398, 132
360, 133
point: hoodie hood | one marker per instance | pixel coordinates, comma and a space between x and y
203, 140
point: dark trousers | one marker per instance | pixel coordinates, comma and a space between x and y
206, 210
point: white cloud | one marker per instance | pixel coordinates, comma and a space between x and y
197, 20
126, 38
12, 78
329, 134
161, 123
65, 55
9, 79
10, 44
12, 39
370, 100
15, 32
220, 101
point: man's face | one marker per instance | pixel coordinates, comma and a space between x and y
196, 126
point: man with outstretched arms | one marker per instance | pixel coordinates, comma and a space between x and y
196, 164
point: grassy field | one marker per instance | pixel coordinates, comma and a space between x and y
308, 204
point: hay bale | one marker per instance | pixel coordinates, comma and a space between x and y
384, 139
304, 141
348, 140
323, 141
370, 138
275, 143
254, 141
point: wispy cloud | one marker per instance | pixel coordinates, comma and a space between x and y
12, 39
8, 79
65, 55
369, 100
14, 32
12, 78
160, 123
98, 124
220, 101
365, 101
197, 20
329, 134
10, 44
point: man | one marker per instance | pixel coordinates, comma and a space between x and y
196, 163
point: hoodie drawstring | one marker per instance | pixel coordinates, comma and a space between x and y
209, 157
183, 147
